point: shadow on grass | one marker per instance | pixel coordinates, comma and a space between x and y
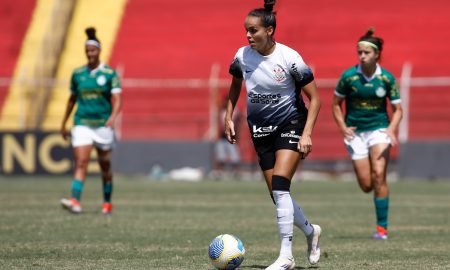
264, 267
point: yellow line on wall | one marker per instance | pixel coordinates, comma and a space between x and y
17, 101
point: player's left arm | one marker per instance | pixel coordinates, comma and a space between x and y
397, 111
304, 80
305, 143
116, 101
397, 114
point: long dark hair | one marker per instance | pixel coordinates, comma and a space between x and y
266, 14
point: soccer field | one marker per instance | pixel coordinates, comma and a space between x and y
169, 225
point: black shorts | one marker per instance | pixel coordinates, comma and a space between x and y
267, 140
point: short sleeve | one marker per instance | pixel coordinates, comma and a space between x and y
73, 84
301, 73
394, 93
115, 83
341, 87
235, 68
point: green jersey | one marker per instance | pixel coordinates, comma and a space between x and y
365, 98
94, 89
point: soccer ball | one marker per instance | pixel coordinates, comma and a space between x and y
226, 251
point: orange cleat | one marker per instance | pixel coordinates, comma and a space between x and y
107, 208
72, 204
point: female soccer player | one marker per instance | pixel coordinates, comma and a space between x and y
367, 132
96, 89
279, 122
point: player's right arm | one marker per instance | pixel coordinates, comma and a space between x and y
69, 107
338, 99
70, 104
233, 96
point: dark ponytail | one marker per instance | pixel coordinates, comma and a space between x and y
266, 14
91, 34
268, 5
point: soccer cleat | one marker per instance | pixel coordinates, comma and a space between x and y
72, 205
313, 244
282, 263
107, 208
380, 234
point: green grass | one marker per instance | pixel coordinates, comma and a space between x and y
169, 225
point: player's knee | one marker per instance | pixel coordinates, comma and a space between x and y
280, 183
105, 165
81, 163
377, 175
366, 188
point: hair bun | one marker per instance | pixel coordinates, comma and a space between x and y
370, 32
268, 5
90, 32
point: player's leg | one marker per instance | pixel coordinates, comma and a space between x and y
104, 160
363, 173
359, 153
285, 167
379, 158
81, 154
285, 163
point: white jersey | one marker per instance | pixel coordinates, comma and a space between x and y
272, 95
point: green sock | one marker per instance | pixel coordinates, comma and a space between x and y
107, 190
77, 188
382, 209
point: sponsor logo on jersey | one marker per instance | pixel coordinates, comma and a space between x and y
380, 92
296, 73
279, 74
263, 131
101, 80
264, 98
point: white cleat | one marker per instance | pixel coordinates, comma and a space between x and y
282, 263
313, 245
72, 205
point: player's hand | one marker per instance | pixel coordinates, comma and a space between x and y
229, 131
391, 135
110, 122
64, 133
348, 132
305, 145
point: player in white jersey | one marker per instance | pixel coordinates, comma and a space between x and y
279, 122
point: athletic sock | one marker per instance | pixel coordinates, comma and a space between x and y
107, 191
300, 219
285, 220
285, 213
382, 209
77, 189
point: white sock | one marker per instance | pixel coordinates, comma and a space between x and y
285, 220
300, 219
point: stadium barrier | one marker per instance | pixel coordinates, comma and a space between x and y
46, 153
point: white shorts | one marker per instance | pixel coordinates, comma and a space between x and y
101, 137
227, 152
358, 147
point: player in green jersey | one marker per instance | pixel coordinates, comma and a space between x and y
96, 89
368, 133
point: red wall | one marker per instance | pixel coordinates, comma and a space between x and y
15, 16
182, 39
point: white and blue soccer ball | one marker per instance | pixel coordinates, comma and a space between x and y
226, 251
